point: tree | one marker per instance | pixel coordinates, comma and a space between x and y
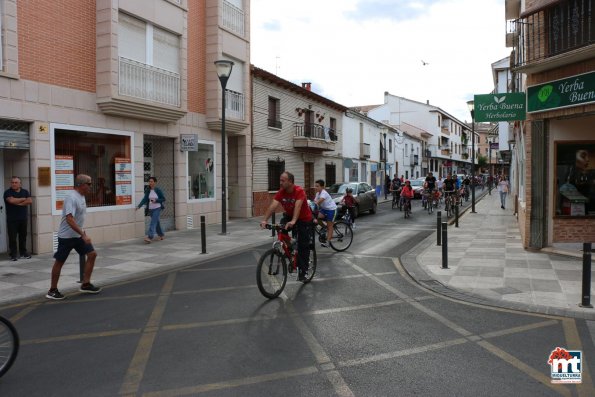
482, 161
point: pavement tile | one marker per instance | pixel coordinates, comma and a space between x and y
545, 285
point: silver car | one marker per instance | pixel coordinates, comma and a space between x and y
364, 194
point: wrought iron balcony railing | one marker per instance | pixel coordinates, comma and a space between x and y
234, 104
563, 27
309, 130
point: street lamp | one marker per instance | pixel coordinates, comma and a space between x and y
223, 71
471, 107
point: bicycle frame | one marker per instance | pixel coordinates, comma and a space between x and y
283, 244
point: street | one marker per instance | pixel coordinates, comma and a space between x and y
361, 328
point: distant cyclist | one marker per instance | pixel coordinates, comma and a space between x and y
431, 181
449, 185
349, 202
328, 209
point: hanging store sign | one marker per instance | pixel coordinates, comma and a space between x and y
189, 142
500, 107
563, 93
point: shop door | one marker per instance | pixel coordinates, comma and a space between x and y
158, 161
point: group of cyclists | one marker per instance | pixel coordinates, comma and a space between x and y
435, 190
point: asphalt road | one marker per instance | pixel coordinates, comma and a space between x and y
361, 328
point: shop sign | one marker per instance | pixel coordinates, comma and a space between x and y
63, 177
563, 93
123, 170
500, 107
189, 142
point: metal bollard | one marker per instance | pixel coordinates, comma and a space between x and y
273, 222
586, 296
456, 216
82, 261
203, 235
444, 245
438, 231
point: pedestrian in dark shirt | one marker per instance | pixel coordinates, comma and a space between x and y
17, 199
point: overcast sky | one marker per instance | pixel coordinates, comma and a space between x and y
352, 51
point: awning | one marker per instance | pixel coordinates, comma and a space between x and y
533, 6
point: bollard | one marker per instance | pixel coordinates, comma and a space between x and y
82, 260
203, 235
444, 245
586, 300
273, 222
456, 216
438, 231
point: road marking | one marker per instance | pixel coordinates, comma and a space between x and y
137, 366
23, 313
522, 328
184, 391
573, 342
532, 372
210, 269
401, 353
89, 335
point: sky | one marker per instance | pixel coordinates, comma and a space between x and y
352, 51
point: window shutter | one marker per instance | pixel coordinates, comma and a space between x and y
131, 38
166, 50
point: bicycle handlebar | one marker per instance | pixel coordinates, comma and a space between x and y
277, 227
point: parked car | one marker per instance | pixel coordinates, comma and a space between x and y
418, 186
364, 194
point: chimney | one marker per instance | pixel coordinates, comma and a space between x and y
427, 101
307, 86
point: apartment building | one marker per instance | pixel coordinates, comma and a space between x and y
446, 140
553, 54
123, 90
293, 129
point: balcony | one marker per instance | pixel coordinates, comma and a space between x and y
445, 130
313, 138
364, 151
414, 160
144, 92
232, 18
235, 123
552, 37
234, 105
273, 123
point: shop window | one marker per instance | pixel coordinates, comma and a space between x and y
275, 167
201, 172
575, 178
105, 157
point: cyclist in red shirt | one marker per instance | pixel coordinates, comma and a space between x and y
297, 213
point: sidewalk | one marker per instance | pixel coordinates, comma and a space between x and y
128, 259
488, 265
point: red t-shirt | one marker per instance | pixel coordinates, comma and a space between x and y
288, 200
349, 201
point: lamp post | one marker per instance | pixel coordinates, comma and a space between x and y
224, 68
471, 106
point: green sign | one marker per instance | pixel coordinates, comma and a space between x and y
563, 93
500, 107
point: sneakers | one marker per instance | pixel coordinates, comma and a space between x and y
89, 288
353, 226
303, 276
13, 258
55, 295
325, 244
26, 256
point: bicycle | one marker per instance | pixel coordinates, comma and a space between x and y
275, 263
9, 345
342, 234
347, 218
449, 203
396, 199
407, 207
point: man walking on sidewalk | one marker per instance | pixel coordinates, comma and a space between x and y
72, 236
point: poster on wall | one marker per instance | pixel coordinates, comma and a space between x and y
123, 181
575, 178
64, 177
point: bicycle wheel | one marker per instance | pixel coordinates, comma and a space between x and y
342, 236
394, 203
311, 266
430, 206
9, 345
271, 273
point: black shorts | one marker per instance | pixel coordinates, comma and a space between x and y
65, 245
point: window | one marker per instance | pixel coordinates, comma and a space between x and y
353, 173
149, 61
276, 168
274, 116
390, 145
333, 129
406, 150
201, 172
575, 178
330, 174
105, 157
